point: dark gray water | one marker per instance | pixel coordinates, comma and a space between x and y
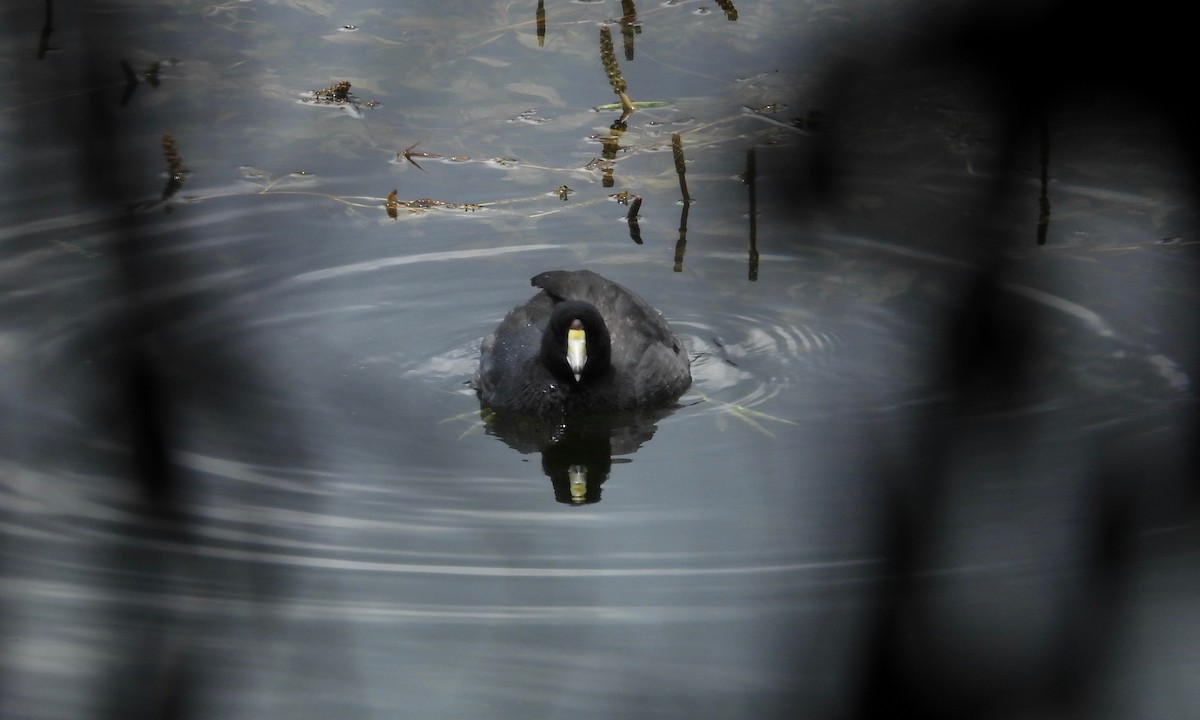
936, 449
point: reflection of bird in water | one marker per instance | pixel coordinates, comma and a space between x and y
579, 463
583, 345
587, 351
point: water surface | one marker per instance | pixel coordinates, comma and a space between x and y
243, 472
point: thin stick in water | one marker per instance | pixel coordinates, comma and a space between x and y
680, 169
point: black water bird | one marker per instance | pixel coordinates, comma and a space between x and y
583, 345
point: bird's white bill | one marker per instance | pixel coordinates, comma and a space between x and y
576, 351
577, 477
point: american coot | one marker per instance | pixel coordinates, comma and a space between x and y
582, 345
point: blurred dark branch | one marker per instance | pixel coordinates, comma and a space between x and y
1043, 223
750, 177
47, 30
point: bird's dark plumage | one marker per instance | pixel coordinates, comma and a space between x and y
634, 360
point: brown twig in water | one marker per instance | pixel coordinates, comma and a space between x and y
635, 231
751, 180
541, 23
681, 243
629, 27
680, 170
634, 206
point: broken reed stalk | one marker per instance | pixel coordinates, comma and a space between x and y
680, 170
1044, 198
681, 243
629, 26
634, 206
727, 8
635, 232
751, 179
541, 23
608, 56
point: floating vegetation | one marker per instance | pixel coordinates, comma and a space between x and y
608, 57
175, 168
638, 105
338, 95
727, 8
339, 92
150, 75
768, 109
408, 154
176, 173
812, 121
529, 116
285, 183
747, 415
393, 203
610, 145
